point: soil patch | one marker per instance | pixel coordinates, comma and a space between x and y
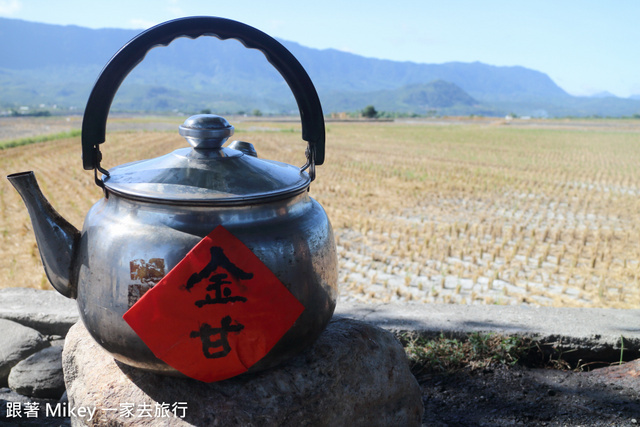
516, 395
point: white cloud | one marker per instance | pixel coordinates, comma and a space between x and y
140, 23
345, 49
9, 7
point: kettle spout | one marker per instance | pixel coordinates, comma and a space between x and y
57, 238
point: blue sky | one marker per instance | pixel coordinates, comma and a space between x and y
585, 46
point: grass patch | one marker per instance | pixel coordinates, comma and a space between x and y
37, 139
476, 351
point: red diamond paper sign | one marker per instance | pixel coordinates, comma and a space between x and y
216, 313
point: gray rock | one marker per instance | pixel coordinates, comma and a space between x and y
46, 311
354, 374
8, 395
39, 375
17, 342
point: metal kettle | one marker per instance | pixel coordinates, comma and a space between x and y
154, 212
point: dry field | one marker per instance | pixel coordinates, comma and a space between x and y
472, 212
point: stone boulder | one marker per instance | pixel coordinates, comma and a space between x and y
16, 343
355, 373
39, 375
45, 311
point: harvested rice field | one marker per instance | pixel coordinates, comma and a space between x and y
465, 211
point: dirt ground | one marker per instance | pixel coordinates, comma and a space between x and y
503, 395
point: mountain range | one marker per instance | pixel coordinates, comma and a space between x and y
47, 65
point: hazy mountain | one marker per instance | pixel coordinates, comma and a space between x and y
51, 64
603, 94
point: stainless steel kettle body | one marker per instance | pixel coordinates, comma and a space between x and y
127, 246
132, 238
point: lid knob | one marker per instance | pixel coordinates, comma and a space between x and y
206, 131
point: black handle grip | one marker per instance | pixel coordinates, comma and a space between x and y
94, 122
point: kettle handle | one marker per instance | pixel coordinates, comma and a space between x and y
94, 122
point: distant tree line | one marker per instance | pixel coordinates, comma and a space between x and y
38, 113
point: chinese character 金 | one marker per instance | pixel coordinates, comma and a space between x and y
206, 332
222, 294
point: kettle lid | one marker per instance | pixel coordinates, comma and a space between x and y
207, 173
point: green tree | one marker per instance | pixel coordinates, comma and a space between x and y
369, 112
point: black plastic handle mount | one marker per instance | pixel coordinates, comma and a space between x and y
94, 122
